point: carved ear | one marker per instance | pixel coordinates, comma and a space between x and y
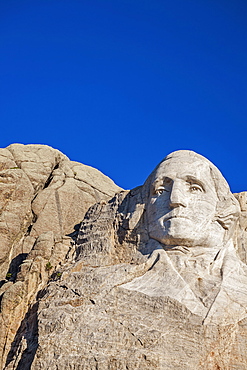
228, 208
227, 212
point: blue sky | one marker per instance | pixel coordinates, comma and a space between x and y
119, 84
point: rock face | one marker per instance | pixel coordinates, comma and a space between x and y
43, 197
157, 277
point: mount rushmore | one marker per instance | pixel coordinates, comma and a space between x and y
96, 277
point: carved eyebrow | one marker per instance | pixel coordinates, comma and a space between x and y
193, 179
161, 181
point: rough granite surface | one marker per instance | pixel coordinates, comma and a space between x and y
43, 198
130, 288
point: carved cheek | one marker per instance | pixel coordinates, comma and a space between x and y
203, 209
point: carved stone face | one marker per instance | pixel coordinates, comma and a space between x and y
182, 203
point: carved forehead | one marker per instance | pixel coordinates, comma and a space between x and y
186, 157
184, 164
194, 164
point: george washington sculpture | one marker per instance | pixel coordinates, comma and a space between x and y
157, 281
181, 226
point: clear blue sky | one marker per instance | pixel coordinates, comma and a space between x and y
119, 84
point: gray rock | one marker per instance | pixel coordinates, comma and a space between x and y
43, 197
157, 279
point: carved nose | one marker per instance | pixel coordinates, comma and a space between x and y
177, 197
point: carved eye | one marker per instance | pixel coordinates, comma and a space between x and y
159, 191
195, 188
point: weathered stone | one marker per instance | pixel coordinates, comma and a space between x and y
37, 161
15, 217
41, 199
156, 280
242, 230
